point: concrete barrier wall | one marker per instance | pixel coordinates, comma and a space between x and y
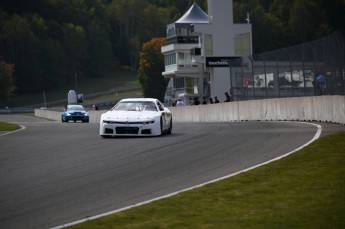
315, 108
48, 114
56, 115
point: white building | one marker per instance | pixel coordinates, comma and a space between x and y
198, 49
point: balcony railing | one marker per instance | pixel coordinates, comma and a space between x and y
183, 40
183, 67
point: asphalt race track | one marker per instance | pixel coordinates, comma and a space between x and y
55, 173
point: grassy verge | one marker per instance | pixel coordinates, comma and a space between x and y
112, 81
304, 190
4, 126
112, 97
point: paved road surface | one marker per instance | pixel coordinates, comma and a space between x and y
54, 173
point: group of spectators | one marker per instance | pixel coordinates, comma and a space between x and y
179, 102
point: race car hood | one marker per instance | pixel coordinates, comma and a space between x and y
128, 115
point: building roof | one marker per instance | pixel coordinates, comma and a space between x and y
194, 15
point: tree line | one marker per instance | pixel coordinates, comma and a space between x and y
45, 44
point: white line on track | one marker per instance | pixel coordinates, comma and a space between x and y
316, 136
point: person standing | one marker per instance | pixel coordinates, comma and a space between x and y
227, 97
196, 101
216, 99
95, 107
211, 100
204, 102
174, 103
180, 103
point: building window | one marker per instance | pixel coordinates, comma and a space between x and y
179, 83
186, 84
184, 59
170, 61
189, 85
242, 44
181, 57
208, 45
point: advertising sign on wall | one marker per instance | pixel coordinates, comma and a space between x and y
224, 61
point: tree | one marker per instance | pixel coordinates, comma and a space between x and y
267, 28
6, 80
49, 41
281, 9
22, 48
129, 15
75, 45
304, 20
334, 12
99, 51
151, 67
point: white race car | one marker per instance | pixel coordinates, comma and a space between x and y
136, 117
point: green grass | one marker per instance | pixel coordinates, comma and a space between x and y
112, 81
303, 190
4, 126
111, 97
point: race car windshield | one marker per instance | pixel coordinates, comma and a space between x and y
79, 108
135, 106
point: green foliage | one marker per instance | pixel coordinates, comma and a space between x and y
49, 41
304, 19
6, 80
151, 67
267, 30
100, 56
279, 23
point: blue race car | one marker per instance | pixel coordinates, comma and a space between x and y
74, 113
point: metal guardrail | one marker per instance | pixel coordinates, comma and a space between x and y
17, 111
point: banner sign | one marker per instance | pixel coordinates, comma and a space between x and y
224, 61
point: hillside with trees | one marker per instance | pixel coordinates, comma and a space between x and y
49, 42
